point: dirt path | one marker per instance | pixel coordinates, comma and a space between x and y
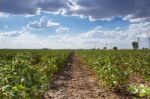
76, 81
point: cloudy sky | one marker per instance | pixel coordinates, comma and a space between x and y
73, 23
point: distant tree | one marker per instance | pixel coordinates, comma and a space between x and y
135, 45
145, 48
45, 48
115, 48
105, 48
93, 49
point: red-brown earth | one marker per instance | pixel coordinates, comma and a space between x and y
77, 81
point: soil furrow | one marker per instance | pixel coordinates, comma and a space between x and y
76, 81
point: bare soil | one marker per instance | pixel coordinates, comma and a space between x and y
77, 81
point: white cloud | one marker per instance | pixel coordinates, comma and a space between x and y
136, 20
4, 15
50, 23
117, 37
62, 29
92, 9
97, 37
43, 23
28, 16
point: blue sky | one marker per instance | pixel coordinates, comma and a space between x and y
73, 23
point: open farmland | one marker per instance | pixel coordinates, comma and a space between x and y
74, 49
81, 74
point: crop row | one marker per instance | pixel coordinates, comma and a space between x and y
128, 69
25, 74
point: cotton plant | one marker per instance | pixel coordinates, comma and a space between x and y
140, 90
